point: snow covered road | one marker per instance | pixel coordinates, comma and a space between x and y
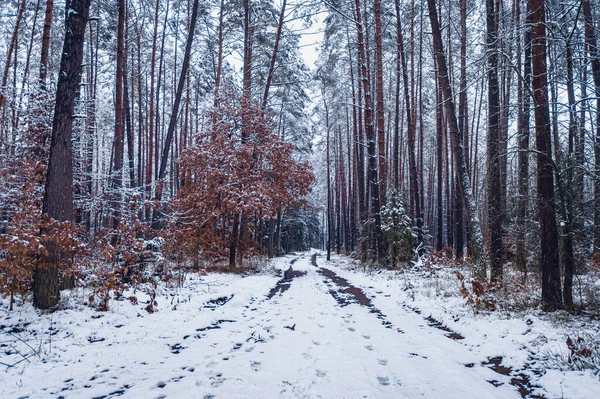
310, 334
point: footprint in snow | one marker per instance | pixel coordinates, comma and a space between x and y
316, 342
307, 355
383, 380
237, 346
321, 373
256, 366
217, 380
321, 325
369, 347
351, 329
382, 362
366, 336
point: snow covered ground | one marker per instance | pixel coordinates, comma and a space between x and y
325, 331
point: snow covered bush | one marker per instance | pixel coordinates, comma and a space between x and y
397, 229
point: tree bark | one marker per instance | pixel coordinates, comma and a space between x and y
494, 205
58, 197
379, 109
118, 143
219, 53
274, 55
373, 176
523, 157
551, 290
590, 38
11, 49
415, 197
463, 126
175, 111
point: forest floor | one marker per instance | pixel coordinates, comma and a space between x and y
300, 328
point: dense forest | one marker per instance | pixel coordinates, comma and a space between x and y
196, 131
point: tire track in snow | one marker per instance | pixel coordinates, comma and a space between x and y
345, 294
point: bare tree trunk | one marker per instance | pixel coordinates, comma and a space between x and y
373, 176
175, 111
150, 142
128, 116
248, 39
358, 153
379, 109
118, 144
567, 194
11, 49
58, 196
247, 95
463, 126
274, 55
415, 197
439, 242
590, 38
459, 155
219, 53
523, 142
140, 111
46, 42
494, 174
551, 291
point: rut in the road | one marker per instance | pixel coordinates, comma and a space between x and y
346, 294
285, 283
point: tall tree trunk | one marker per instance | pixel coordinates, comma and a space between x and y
373, 176
494, 196
379, 109
248, 39
219, 53
590, 38
358, 166
274, 55
58, 195
569, 192
523, 142
118, 144
458, 150
140, 111
45, 50
330, 232
11, 49
463, 126
247, 95
150, 141
175, 111
439, 120
128, 105
343, 211
415, 197
551, 290
580, 142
